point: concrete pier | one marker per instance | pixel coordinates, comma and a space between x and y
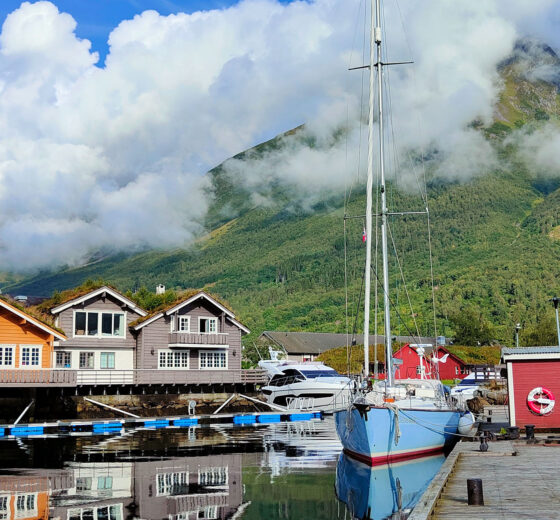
520, 480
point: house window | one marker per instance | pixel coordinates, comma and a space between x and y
213, 476
456, 370
174, 483
176, 359
26, 506
83, 484
107, 360
212, 359
208, 325
184, 324
99, 324
7, 355
419, 369
63, 360
30, 357
112, 512
104, 482
86, 360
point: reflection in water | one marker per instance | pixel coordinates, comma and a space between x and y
384, 492
277, 471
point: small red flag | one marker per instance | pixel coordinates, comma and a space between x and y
364, 235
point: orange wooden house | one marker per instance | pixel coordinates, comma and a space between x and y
26, 347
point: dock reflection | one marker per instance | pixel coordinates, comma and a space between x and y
384, 492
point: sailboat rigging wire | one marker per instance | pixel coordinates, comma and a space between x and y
348, 191
404, 281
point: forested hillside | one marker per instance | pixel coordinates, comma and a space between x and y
495, 242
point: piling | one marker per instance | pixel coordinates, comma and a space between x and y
474, 492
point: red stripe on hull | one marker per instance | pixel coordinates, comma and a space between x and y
397, 457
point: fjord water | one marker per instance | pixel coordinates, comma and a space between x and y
277, 471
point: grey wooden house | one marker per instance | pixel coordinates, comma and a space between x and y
100, 347
196, 340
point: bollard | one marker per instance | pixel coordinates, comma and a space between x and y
513, 432
474, 491
529, 431
483, 442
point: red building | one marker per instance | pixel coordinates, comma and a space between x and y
533, 385
450, 366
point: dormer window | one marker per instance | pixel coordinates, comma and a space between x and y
99, 324
208, 325
184, 324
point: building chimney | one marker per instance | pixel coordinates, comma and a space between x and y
160, 289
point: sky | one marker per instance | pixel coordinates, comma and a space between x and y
97, 18
112, 111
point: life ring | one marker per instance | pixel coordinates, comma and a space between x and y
540, 400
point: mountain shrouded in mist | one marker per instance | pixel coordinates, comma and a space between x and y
111, 158
115, 158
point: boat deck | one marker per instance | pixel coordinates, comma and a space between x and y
519, 481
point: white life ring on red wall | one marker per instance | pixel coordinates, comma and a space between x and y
540, 400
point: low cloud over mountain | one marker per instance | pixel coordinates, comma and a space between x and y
113, 157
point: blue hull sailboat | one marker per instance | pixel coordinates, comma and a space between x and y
396, 419
383, 492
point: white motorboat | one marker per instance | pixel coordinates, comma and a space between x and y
305, 385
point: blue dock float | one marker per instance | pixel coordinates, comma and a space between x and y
115, 426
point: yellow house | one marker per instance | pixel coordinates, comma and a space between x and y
26, 342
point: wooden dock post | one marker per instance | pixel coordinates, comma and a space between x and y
474, 491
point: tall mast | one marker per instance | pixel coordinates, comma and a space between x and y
384, 211
369, 198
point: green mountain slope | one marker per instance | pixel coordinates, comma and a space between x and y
495, 246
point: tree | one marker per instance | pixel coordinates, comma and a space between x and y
471, 328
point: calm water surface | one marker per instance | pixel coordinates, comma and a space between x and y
277, 471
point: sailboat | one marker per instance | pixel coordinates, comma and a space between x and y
397, 419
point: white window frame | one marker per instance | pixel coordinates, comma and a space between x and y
166, 482
167, 352
21, 505
101, 361
80, 361
209, 318
180, 319
56, 352
213, 352
30, 366
99, 334
2, 355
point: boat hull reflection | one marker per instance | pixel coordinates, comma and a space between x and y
389, 491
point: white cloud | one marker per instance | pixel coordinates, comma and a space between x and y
96, 158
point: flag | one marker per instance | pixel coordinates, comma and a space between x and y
364, 235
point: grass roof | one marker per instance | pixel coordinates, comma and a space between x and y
182, 296
59, 298
43, 317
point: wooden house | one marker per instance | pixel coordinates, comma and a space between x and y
26, 349
306, 346
533, 379
195, 340
100, 346
449, 365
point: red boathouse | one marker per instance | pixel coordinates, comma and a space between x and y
450, 366
533, 375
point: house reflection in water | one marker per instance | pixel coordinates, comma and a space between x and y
206, 487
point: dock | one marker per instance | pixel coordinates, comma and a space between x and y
115, 426
519, 480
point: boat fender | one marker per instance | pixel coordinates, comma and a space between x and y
538, 397
467, 425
